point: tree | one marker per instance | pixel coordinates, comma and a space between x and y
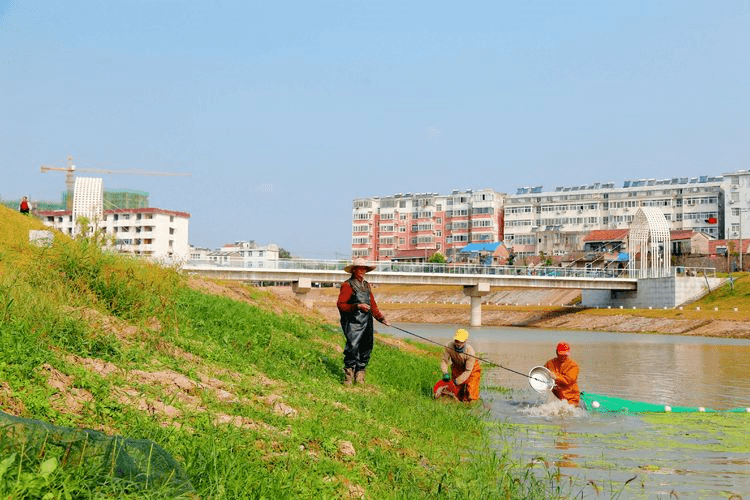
546, 260
284, 254
437, 258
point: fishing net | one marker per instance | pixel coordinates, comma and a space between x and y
139, 462
599, 402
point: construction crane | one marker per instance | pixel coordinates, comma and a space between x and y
70, 170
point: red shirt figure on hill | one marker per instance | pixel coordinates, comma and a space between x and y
24, 207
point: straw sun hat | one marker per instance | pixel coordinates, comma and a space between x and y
358, 262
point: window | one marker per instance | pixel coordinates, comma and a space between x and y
481, 223
483, 210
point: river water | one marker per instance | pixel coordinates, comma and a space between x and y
615, 455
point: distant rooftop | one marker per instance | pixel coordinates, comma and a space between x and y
628, 184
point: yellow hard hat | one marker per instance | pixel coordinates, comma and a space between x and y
461, 335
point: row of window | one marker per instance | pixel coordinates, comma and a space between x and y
137, 217
136, 241
614, 205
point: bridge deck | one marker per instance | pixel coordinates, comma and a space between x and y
587, 280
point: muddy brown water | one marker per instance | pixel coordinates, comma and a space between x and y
605, 455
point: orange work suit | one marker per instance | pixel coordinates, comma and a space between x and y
566, 379
466, 371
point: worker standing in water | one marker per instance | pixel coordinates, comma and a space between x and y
565, 371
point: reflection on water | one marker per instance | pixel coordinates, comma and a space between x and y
608, 455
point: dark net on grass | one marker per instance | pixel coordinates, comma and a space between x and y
140, 462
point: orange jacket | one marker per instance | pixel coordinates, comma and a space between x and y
566, 379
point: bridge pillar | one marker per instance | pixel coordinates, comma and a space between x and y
476, 292
301, 288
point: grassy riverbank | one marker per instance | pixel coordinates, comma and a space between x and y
244, 392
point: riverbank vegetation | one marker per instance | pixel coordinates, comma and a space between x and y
242, 390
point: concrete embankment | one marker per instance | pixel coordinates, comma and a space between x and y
537, 308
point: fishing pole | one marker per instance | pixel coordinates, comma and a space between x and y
466, 354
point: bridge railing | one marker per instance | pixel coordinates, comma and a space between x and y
419, 267
428, 267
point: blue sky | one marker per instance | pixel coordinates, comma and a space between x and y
283, 112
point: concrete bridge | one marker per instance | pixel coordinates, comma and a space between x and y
599, 287
475, 280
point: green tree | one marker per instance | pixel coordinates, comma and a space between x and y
284, 254
546, 259
437, 258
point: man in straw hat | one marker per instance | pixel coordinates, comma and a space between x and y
565, 371
465, 369
357, 308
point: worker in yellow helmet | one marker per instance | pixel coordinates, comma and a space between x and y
465, 369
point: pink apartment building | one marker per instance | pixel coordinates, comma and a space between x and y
414, 226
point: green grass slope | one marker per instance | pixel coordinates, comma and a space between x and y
245, 394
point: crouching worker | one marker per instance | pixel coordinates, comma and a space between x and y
465, 369
565, 371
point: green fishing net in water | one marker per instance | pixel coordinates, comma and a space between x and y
602, 403
140, 463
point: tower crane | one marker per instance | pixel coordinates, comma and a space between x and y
70, 170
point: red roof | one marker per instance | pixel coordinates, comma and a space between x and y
607, 235
681, 235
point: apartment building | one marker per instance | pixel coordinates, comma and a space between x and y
247, 254
737, 197
414, 226
152, 232
555, 222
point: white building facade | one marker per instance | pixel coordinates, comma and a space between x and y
243, 254
151, 232
737, 188
556, 222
